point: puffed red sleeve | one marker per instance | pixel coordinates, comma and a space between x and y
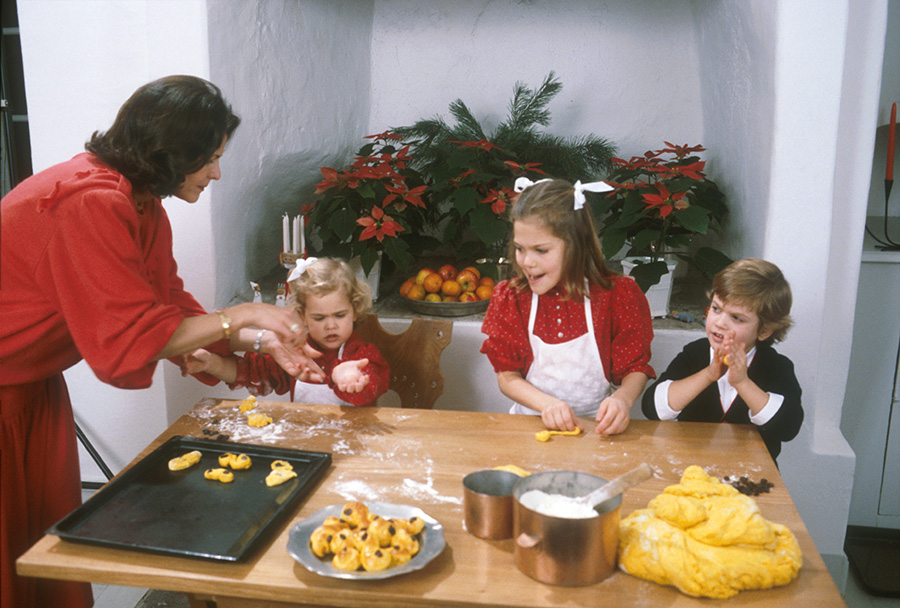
632, 331
506, 326
261, 375
103, 291
377, 369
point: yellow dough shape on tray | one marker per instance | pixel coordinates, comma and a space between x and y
235, 461
223, 475
185, 461
276, 477
707, 539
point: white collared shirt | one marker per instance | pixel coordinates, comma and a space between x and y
727, 395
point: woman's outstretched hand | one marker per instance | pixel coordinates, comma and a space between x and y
299, 363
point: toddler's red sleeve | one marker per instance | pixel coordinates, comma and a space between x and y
377, 369
261, 375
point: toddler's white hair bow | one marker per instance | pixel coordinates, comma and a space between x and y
300, 268
523, 182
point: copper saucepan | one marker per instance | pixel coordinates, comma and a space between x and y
560, 550
488, 503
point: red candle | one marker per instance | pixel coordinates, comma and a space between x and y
892, 136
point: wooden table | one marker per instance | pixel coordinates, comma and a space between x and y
419, 457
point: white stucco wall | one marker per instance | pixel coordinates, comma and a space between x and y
607, 55
760, 84
298, 75
737, 43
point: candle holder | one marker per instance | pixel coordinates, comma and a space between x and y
887, 243
289, 259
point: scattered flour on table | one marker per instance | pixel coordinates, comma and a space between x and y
356, 490
341, 447
409, 490
232, 423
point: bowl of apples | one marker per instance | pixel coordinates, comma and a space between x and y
447, 292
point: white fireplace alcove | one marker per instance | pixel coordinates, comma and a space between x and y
784, 95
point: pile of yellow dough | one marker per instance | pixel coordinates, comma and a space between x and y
707, 539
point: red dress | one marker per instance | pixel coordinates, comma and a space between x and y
623, 327
261, 375
82, 275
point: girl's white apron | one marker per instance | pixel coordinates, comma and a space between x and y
313, 392
571, 371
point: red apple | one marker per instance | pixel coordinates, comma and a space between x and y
447, 272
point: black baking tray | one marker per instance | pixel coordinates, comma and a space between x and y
150, 508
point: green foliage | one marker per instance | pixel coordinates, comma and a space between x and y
472, 172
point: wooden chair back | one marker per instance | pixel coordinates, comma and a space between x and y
414, 357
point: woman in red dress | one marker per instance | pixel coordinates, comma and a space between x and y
86, 271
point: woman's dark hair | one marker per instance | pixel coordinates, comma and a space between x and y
167, 129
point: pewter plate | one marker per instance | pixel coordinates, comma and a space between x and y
447, 309
430, 546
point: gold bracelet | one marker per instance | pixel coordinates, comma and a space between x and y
226, 323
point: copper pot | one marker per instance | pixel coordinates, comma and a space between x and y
565, 551
488, 503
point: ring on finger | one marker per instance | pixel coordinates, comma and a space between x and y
296, 327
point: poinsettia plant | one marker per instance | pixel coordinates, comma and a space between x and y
377, 204
661, 204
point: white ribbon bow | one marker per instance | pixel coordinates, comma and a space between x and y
300, 268
591, 187
523, 182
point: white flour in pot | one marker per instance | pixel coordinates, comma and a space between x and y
556, 505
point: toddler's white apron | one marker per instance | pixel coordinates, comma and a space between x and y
314, 392
571, 371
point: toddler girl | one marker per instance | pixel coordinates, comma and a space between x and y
567, 336
330, 299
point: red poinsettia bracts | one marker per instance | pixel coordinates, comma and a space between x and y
383, 136
482, 144
399, 196
636, 163
666, 201
681, 151
378, 225
498, 199
522, 169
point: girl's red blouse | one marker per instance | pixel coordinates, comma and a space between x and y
622, 326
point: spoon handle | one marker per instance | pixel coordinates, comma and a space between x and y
618, 485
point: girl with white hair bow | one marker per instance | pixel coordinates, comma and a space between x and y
567, 337
329, 298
